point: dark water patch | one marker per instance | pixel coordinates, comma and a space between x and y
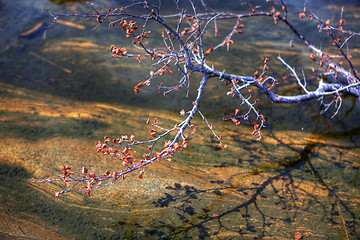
35, 31
19, 198
90, 80
15, 173
36, 127
61, 2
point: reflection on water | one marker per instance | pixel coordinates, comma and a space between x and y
60, 91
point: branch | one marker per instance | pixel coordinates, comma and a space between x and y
183, 48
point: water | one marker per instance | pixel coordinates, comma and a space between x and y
60, 91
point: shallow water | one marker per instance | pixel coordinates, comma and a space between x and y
60, 91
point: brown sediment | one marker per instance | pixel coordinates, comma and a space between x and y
37, 27
71, 24
50, 62
12, 227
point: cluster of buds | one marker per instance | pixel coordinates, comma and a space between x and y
128, 160
163, 70
130, 27
118, 52
185, 31
312, 57
121, 139
106, 150
210, 50
169, 150
236, 121
103, 148
240, 26
237, 116
257, 130
140, 37
140, 85
66, 174
276, 15
91, 181
194, 27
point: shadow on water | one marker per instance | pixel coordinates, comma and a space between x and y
22, 201
275, 199
281, 193
38, 127
267, 205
